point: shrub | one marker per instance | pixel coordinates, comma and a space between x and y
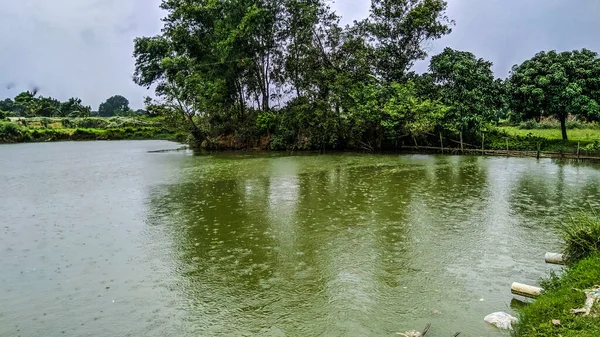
10, 132
528, 125
92, 123
581, 235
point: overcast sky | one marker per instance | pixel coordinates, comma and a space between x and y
83, 48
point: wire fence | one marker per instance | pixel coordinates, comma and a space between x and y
462, 147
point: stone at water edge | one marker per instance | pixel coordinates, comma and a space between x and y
501, 320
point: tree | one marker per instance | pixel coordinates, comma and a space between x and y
7, 105
287, 65
26, 105
399, 28
466, 85
114, 106
555, 85
49, 107
74, 108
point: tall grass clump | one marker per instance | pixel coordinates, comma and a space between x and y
581, 235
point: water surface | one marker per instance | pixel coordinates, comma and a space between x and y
106, 239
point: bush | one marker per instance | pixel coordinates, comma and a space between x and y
581, 235
92, 123
11, 132
533, 125
528, 125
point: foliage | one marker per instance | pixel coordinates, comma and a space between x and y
73, 108
398, 29
215, 63
585, 136
115, 106
11, 132
581, 235
466, 84
557, 84
571, 125
27, 104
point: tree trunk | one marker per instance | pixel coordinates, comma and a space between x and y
563, 127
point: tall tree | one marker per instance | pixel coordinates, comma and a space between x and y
26, 105
399, 28
114, 106
466, 85
555, 85
74, 108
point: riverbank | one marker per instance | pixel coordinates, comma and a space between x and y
551, 314
562, 294
500, 141
48, 130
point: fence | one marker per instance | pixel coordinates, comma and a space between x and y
466, 148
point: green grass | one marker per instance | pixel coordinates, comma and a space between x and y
582, 236
585, 136
560, 296
564, 292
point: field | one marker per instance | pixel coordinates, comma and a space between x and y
585, 136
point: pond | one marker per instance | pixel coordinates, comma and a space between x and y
107, 239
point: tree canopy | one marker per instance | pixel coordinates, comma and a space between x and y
28, 104
553, 84
466, 84
114, 106
285, 64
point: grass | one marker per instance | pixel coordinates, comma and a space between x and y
564, 292
585, 136
582, 236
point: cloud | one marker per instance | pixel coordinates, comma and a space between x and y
508, 32
78, 48
83, 48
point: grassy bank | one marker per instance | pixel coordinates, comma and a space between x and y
585, 136
565, 292
46, 129
550, 140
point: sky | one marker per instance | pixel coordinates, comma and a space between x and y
83, 48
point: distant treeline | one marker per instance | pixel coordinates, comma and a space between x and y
29, 104
288, 74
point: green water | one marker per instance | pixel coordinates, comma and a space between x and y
106, 239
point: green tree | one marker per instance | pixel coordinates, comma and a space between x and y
7, 105
26, 105
74, 108
49, 107
114, 106
555, 85
466, 85
400, 28
284, 67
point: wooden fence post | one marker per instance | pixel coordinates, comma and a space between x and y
538, 151
442, 142
507, 146
482, 144
416, 144
461, 143
577, 151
